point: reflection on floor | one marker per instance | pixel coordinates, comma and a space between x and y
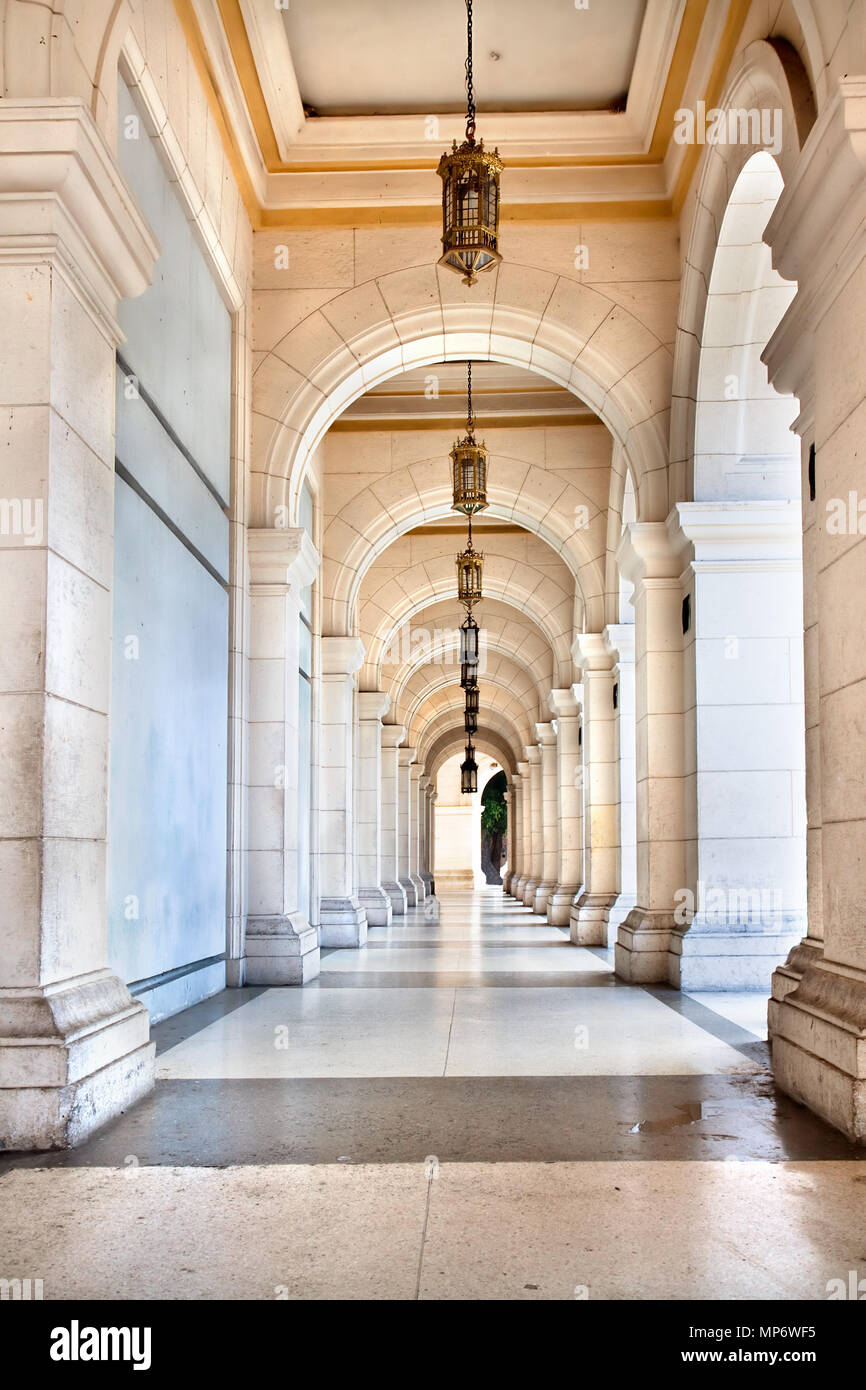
468, 1108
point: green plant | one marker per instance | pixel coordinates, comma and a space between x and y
494, 816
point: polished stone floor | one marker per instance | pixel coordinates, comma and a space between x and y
470, 1107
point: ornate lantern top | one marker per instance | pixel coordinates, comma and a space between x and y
470, 193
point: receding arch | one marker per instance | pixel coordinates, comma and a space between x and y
566, 331
501, 632
759, 82
744, 447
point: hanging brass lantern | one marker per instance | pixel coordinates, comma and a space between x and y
470, 564
470, 193
469, 652
470, 641
469, 771
468, 675
469, 464
471, 710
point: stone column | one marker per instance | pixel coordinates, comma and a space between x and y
619, 640
342, 920
415, 774
74, 1044
374, 899
282, 948
519, 885
392, 737
513, 803
589, 917
549, 817
745, 789
569, 871
645, 940
425, 787
404, 825
433, 797
536, 826
817, 237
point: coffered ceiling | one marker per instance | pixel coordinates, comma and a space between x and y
337, 110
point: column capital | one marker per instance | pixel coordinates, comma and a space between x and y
392, 735
546, 734
66, 202
342, 656
523, 770
533, 754
563, 704
373, 705
424, 783
408, 756
619, 641
647, 552
724, 535
589, 652
281, 557
516, 778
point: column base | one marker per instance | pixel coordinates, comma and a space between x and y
506, 883
397, 895
560, 904
589, 919
714, 958
429, 885
787, 977
542, 897
644, 946
281, 950
420, 890
377, 905
342, 922
819, 1045
517, 886
527, 896
619, 912
410, 890
72, 1058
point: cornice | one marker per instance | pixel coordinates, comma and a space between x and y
817, 233
63, 199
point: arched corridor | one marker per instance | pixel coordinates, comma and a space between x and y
432, 703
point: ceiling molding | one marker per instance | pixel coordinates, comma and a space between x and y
562, 166
269, 45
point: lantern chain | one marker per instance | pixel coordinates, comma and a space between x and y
470, 90
469, 419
